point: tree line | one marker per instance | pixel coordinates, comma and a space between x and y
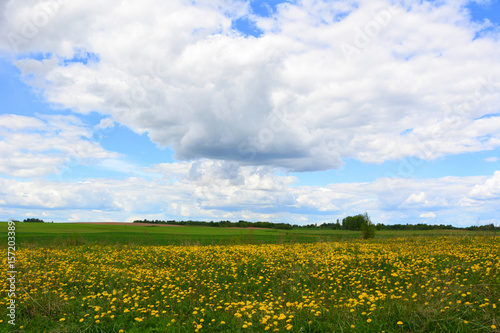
354, 223
222, 224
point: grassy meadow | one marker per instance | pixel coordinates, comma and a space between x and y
110, 278
46, 234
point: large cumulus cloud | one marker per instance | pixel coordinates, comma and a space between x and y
370, 80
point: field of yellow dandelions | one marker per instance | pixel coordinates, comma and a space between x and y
396, 285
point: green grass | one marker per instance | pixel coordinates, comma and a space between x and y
55, 233
45, 234
412, 284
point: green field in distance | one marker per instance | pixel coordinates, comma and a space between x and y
132, 233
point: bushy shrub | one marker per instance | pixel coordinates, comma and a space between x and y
368, 228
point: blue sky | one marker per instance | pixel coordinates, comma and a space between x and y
297, 111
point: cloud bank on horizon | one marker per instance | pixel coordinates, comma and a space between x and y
249, 96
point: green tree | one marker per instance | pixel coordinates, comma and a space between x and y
353, 222
368, 228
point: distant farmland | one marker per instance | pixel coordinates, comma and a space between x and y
162, 234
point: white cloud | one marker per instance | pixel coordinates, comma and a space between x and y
254, 193
38, 194
32, 146
105, 123
288, 99
488, 190
237, 109
170, 171
492, 159
430, 215
420, 198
